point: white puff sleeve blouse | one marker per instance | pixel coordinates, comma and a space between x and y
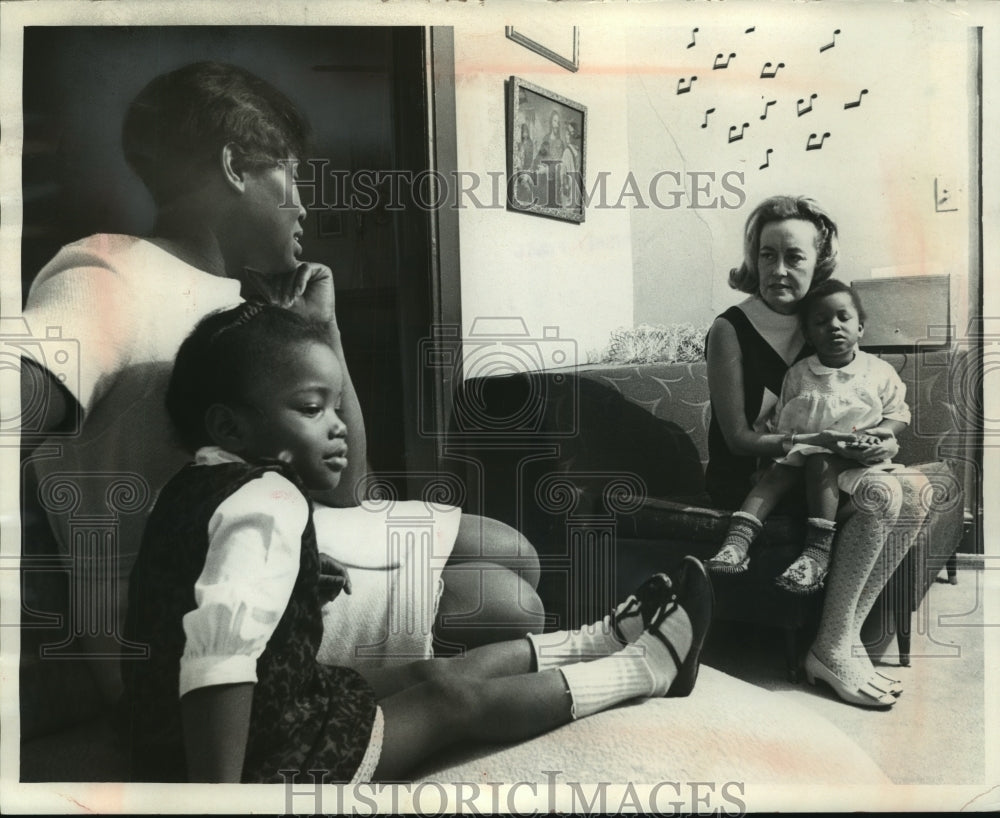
255, 537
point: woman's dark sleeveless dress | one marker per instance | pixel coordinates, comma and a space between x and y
305, 716
728, 476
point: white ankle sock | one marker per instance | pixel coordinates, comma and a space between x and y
560, 648
645, 668
598, 685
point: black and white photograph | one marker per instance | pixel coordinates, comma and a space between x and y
334, 475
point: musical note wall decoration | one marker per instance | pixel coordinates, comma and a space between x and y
813, 145
739, 136
684, 86
808, 107
716, 95
856, 104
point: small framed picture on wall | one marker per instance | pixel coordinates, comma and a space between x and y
546, 152
555, 42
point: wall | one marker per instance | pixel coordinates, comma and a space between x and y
546, 272
875, 173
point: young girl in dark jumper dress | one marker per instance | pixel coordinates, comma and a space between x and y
228, 588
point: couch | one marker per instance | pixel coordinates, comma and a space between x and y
602, 467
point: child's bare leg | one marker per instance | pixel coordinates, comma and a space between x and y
809, 570
509, 658
822, 491
774, 483
746, 524
421, 720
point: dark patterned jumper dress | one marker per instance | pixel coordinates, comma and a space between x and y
728, 476
305, 716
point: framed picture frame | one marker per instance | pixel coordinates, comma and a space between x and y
560, 44
546, 152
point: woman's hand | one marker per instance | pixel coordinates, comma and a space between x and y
874, 445
311, 292
308, 290
870, 454
333, 578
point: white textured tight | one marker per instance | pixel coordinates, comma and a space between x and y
878, 527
